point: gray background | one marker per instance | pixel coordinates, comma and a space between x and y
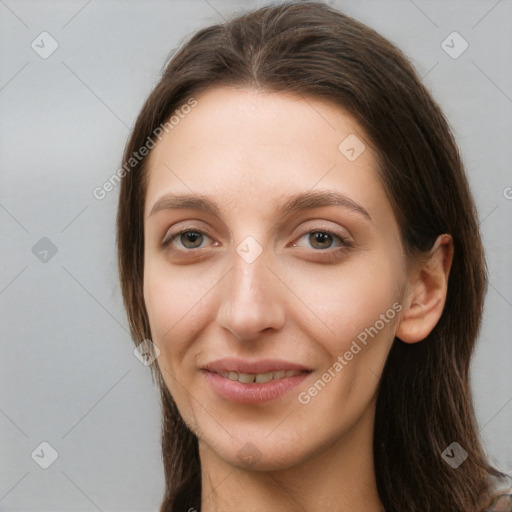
68, 374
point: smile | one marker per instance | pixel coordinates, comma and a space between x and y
254, 388
259, 378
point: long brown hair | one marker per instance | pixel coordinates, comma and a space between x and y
424, 399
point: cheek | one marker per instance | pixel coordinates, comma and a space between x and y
164, 305
345, 300
175, 303
172, 308
359, 304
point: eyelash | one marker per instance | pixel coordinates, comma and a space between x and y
330, 253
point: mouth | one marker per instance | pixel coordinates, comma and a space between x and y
253, 381
261, 371
260, 378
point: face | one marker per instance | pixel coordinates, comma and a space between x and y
275, 298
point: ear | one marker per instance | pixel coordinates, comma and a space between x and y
425, 296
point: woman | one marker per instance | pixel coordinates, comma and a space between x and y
297, 238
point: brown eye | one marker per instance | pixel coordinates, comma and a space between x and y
187, 239
320, 240
324, 240
191, 237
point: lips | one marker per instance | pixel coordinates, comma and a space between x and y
252, 382
255, 393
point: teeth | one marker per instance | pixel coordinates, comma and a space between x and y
246, 378
264, 377
259, 378
279, 374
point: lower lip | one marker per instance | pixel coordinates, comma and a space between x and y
252, 393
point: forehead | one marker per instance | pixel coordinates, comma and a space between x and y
252, 146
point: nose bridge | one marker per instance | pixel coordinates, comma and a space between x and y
250, 301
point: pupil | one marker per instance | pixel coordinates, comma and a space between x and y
321, 237
190, 236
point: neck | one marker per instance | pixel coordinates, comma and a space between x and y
340, 478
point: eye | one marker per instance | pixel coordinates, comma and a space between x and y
323, 240
190, 238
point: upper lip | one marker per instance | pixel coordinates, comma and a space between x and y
230, 364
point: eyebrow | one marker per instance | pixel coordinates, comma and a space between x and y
292, 204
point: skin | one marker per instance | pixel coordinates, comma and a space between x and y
248, 150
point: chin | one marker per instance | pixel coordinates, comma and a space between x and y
258, 451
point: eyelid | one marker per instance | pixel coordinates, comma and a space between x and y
170, 236
332, 228
343, 239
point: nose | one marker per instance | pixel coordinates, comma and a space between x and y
252, 299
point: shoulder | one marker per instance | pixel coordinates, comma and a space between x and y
502, 502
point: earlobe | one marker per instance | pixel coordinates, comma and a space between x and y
426, 296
